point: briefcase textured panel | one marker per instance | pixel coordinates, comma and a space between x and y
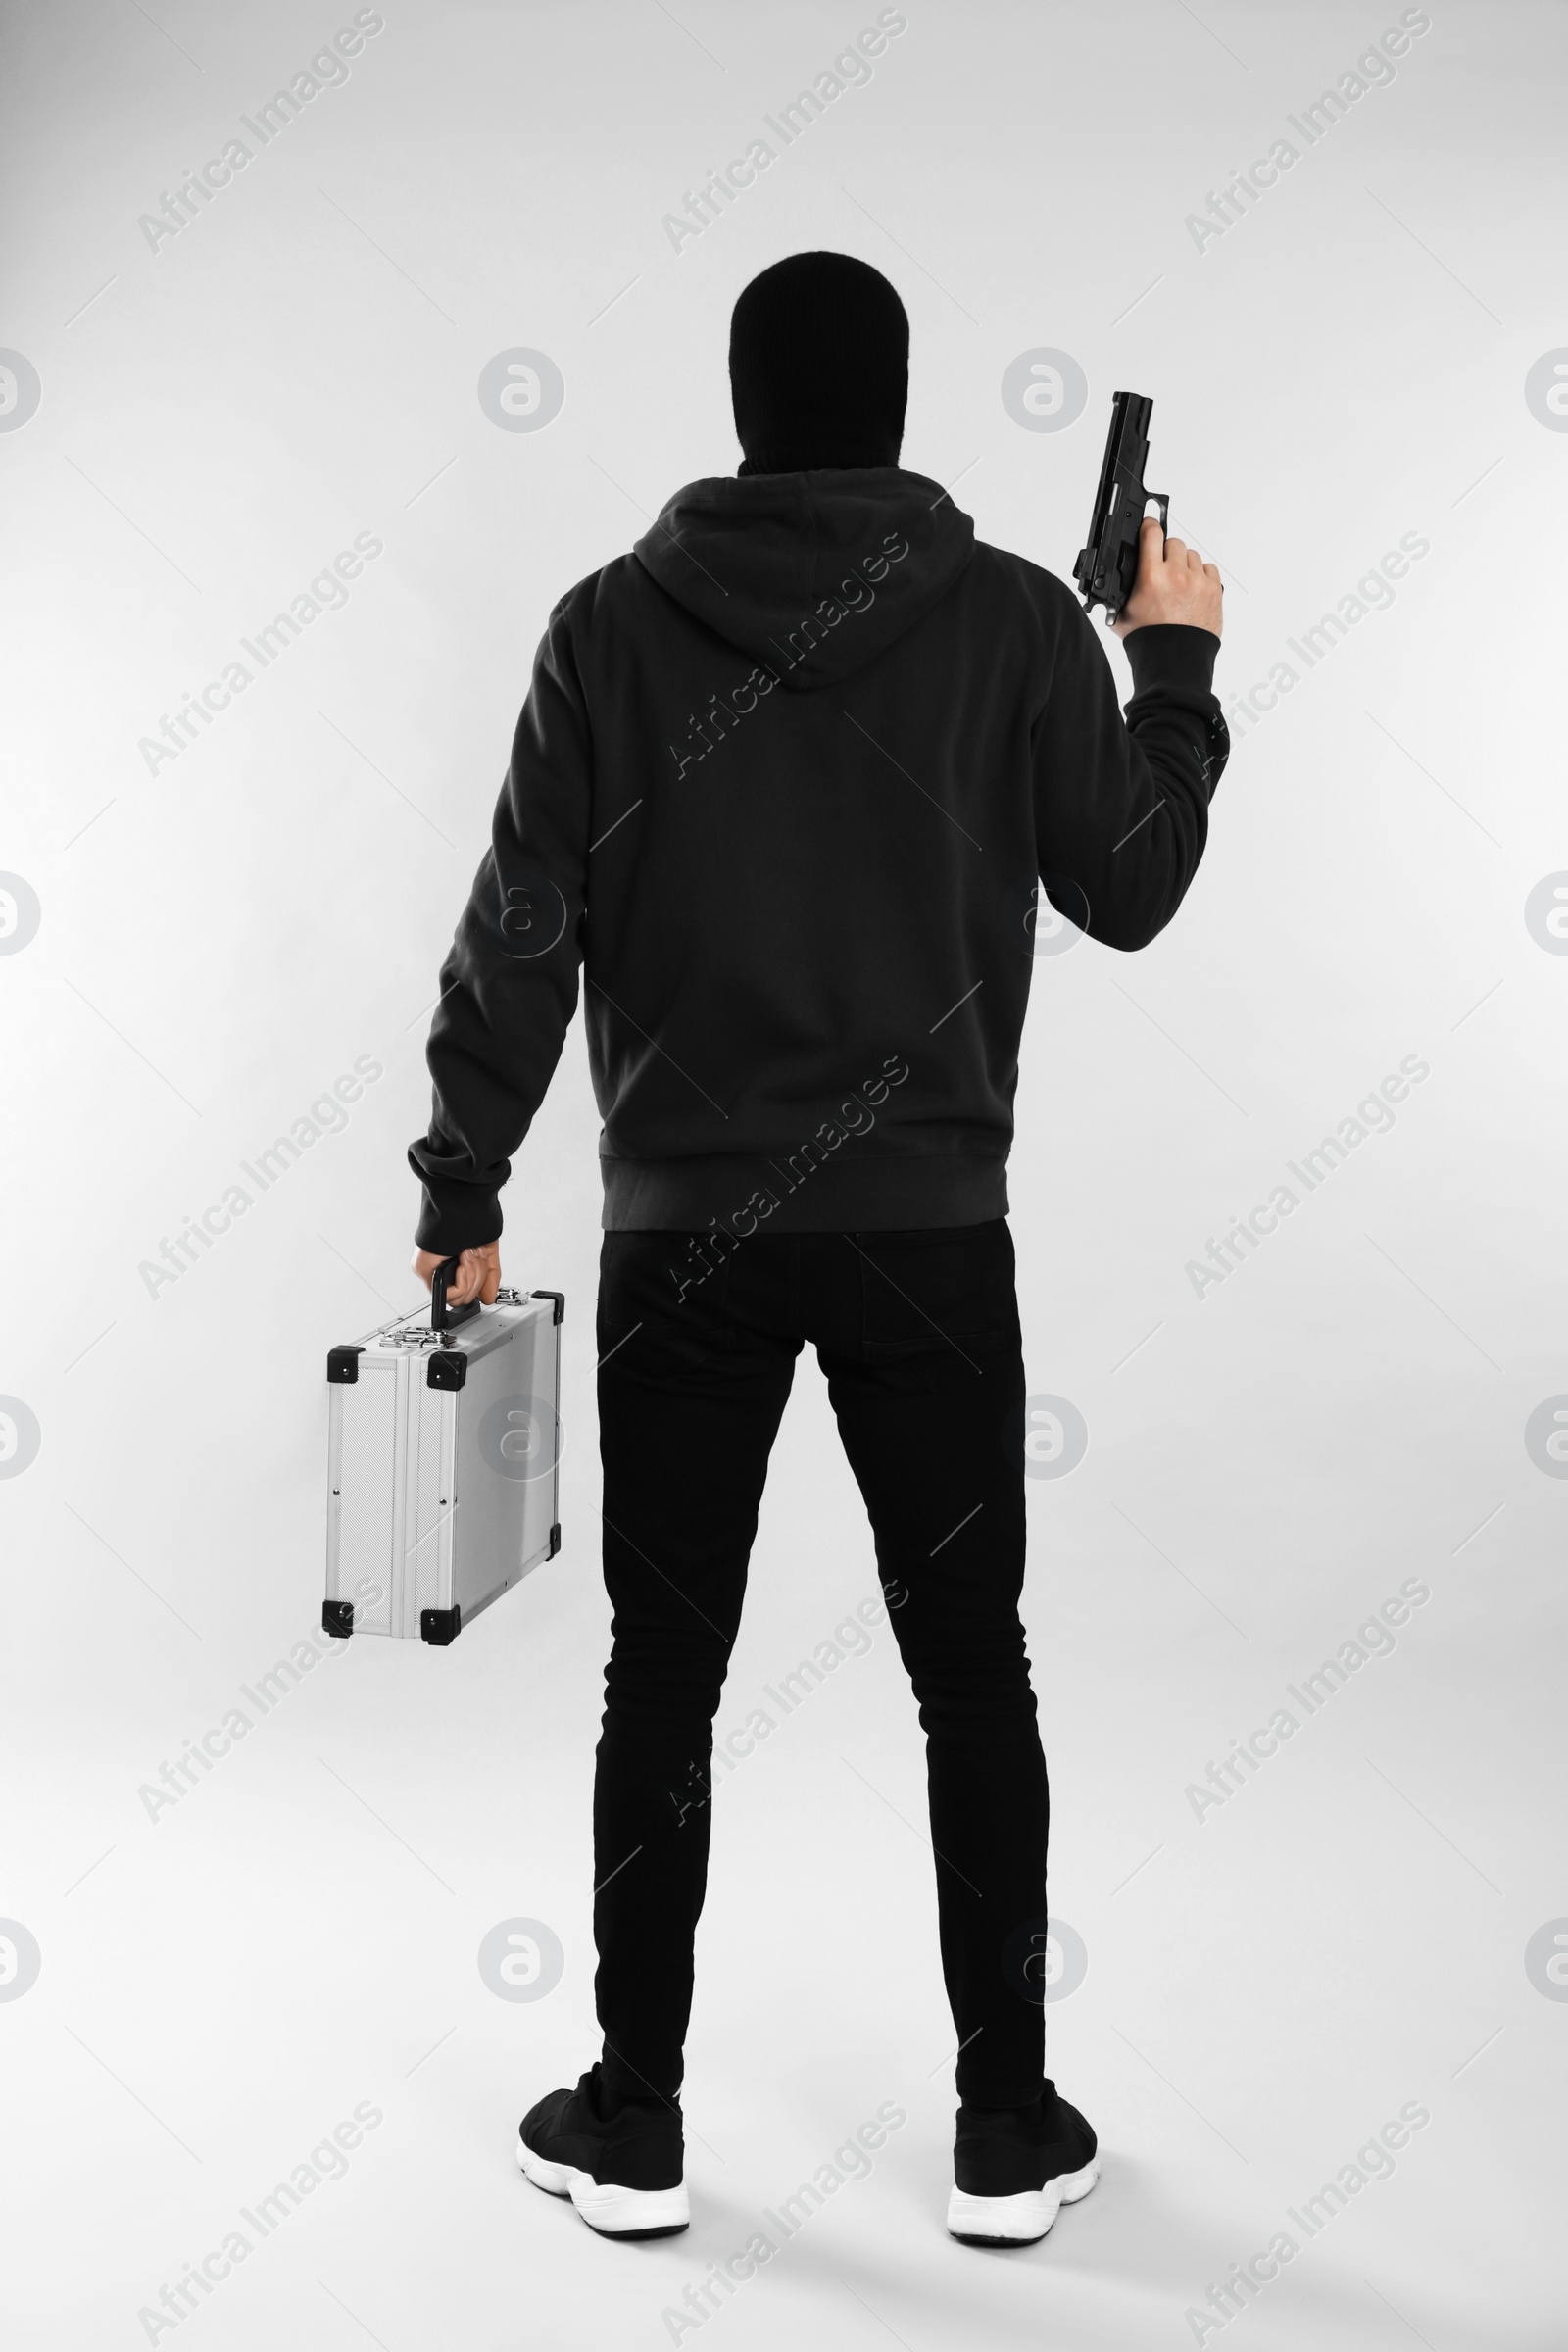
443, 1466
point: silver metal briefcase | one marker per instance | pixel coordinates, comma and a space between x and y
443, 1463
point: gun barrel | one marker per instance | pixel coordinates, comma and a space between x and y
1106, 569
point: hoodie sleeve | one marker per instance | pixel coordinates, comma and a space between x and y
509, 986
1121, 806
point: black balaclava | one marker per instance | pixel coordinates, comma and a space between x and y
818, 366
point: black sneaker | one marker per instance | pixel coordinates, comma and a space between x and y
622, 2167
1015, 2167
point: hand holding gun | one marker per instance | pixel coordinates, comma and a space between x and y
1130, 567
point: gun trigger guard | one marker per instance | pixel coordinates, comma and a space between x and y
1162, 500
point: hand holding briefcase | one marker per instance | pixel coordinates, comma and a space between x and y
443, 1462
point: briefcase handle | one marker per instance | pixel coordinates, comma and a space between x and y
442, 1316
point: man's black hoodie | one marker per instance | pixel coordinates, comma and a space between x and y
785, 785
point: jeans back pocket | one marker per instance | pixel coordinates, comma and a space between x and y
938, 1287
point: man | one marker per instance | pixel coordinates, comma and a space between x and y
785, 785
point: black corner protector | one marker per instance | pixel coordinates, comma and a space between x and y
343, 1366
440, 1626
560, 1298
555, 1540
449, 1369
337, 1618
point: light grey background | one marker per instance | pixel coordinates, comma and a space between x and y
220, 940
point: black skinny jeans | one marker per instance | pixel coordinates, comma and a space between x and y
917, 1333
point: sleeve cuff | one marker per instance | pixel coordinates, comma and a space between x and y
455, 1216
1168, 654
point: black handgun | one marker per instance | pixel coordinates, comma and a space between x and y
1109, 566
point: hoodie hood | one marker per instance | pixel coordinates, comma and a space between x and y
809, 574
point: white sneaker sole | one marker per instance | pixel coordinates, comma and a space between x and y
1019, 2221
613, 2211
